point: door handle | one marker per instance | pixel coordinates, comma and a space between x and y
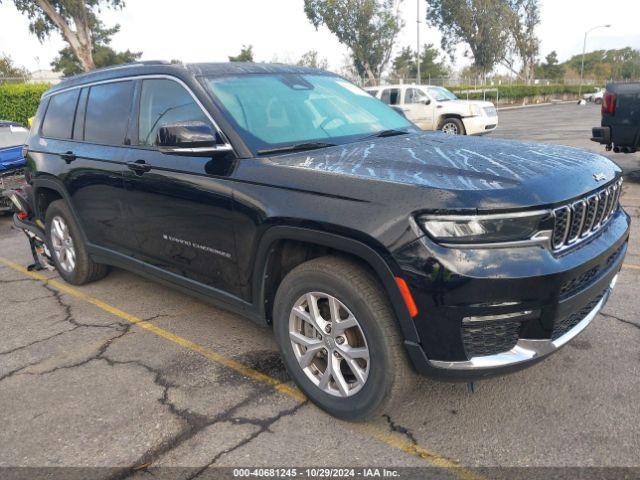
139, 166
68, 156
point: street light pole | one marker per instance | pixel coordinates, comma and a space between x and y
584, 50
418, 40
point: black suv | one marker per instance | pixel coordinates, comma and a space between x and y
295, 198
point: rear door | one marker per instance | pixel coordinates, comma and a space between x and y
180, 207
94, 162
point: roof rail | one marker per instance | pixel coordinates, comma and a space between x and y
140, 63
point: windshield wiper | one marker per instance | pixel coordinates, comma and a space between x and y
296, 147
392, 132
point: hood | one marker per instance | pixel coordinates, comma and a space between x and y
11, 157
478, 172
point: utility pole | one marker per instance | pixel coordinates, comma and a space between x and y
418, 41
584, 49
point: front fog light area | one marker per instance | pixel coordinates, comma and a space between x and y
483, 229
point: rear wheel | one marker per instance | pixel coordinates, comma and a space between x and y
452, 126
339, 338
68, 251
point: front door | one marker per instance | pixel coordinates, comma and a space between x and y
180, 207
416, 109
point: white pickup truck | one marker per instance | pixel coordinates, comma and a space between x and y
436, 108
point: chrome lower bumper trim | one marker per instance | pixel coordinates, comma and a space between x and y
525, 350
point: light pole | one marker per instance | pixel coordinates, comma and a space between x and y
418, 41
584, 49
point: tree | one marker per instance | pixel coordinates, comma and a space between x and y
404, 64
312, 60
9, 70
483, 25
367, 27
74, 19
245, 55
103, 55
619, 64
524, 19
551, 69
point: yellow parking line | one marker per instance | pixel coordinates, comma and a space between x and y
631, 266
372, 431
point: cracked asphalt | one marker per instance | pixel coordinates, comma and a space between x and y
145, 376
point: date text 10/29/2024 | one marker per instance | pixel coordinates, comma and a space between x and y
313, 473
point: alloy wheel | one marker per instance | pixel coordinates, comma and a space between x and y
329, 344
450, 129
62, 244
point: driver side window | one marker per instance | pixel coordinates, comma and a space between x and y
413, 95
164, 102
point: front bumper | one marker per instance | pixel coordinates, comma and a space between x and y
527, 350
480, 125
523, 303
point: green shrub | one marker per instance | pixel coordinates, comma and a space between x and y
520, 91
19, 102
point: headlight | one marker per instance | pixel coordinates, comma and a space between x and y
475, 110
485, 229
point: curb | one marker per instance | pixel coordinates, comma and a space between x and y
533, 105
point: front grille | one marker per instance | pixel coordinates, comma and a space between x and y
578, 283
565, 324
585, 279
581, 219
489, 338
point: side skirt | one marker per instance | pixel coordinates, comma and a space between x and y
203, 292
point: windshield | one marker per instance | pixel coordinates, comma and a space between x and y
13, 136
440, 94
283, 109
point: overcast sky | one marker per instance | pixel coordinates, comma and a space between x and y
211, 30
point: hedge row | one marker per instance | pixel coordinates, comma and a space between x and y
19, 102
521, 91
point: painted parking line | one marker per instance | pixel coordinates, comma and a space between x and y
369, 430
631, 266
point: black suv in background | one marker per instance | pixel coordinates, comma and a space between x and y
295, 198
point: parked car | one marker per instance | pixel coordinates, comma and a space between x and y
596, 96
292, 197
12, 138
436, 108
620, 124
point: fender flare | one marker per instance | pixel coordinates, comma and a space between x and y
56, 185
348, 245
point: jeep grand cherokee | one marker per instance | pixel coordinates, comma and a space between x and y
295, 198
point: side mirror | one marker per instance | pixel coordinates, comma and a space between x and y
190, 138
425, 100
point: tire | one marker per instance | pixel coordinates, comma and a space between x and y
389, 375
82, 269
452, 126
598, 101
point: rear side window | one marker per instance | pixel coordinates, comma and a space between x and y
391, 96
58, 121
163, 102
108, 108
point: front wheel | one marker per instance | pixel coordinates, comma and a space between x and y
339, 338
452, 126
